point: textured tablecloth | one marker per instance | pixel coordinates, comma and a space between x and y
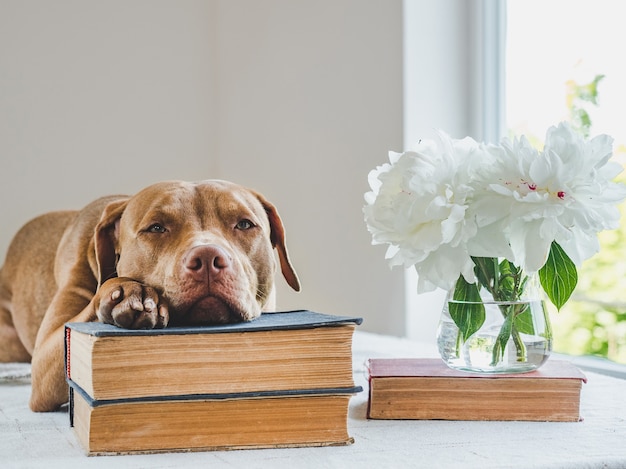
30, 440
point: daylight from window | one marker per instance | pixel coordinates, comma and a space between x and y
564, 64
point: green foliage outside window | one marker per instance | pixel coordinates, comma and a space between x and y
579, 98
593, 322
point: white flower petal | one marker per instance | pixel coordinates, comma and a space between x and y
448, 200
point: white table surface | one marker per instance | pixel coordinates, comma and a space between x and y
30, 440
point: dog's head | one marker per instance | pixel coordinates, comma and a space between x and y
206, 247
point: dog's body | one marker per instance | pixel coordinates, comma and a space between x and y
175, 253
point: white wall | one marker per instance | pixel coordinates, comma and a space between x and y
298, 99
100, 97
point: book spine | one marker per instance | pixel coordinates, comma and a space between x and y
71, 407
68, 332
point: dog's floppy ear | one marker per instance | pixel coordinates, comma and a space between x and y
277, 236
106, 239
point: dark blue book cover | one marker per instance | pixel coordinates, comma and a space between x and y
300, 319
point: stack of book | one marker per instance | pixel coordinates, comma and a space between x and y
425, 388
282, 380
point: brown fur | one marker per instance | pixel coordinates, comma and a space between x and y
175, 253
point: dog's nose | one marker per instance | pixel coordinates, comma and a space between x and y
206, 261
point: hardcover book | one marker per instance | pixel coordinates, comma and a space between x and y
211, 422
283, 379
428, 389
277, 351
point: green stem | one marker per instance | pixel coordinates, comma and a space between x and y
522, 353
494, 280
506, 283
509, 312
520, 346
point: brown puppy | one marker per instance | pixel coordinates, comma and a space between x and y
176, 253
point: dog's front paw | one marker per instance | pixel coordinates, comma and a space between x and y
127, 303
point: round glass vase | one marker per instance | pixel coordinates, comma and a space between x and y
515, 337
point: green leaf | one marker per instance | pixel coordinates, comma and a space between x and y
558, 276
524, 320
485, 269
507, 284
466, 309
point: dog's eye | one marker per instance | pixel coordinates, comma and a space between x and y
156, 228
244, 224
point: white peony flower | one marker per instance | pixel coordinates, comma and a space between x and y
418, 205
448, 202
562, 194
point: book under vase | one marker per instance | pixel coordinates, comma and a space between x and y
427, 389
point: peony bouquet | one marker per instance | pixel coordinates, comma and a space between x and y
469, 215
